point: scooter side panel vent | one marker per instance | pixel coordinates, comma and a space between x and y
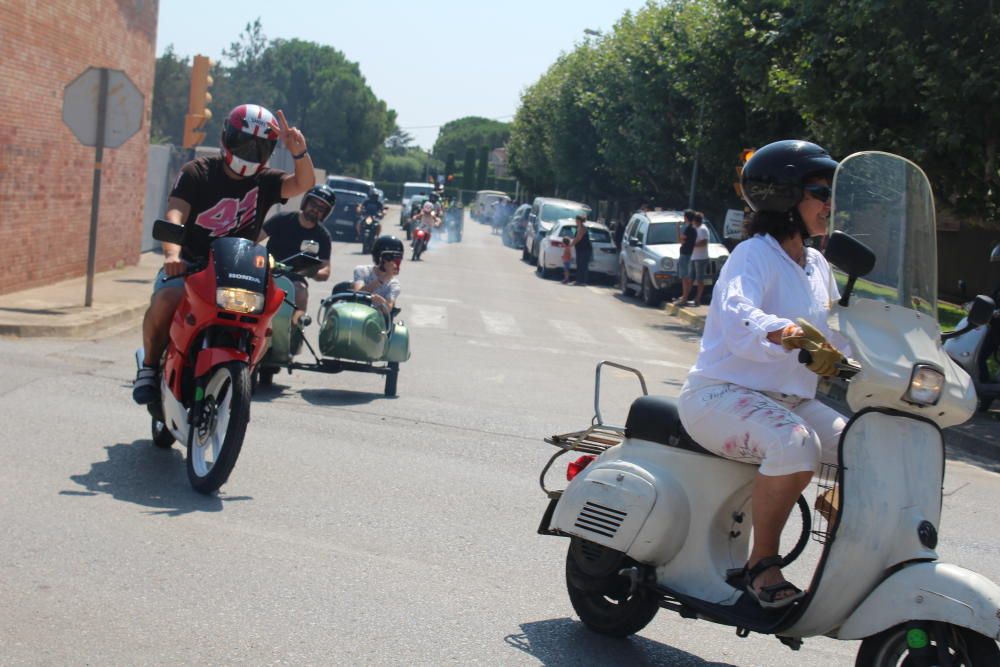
600, 519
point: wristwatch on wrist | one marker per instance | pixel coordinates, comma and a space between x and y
299, 156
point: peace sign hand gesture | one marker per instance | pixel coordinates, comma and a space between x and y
290, 136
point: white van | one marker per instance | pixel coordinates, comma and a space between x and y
410, 189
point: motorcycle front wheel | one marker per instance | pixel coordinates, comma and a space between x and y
218, 437
966, 648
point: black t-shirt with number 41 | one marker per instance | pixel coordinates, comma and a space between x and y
223, 206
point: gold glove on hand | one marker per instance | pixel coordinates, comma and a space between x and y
825, 357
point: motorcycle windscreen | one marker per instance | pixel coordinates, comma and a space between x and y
886, 202
240, 263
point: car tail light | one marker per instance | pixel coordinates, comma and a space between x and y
575, 467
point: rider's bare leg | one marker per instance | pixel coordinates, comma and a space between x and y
156, 323
773, 498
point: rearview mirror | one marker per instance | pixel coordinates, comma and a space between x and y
168, 232
634, 243
981, 310
850, 256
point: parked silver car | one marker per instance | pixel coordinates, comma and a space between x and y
651, 247
545, 211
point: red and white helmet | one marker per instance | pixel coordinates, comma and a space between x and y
249, 136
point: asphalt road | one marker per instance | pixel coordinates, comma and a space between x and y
356, 529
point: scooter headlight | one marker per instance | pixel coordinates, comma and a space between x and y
239, 300
926, 383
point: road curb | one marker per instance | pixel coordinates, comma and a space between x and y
690, 318
84, 325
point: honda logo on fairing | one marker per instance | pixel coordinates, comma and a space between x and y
243, 276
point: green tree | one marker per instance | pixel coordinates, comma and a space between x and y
171, 85
469, 169
455, 135
484, 163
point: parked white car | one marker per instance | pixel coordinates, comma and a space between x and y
545, 211
550, 249
650, 249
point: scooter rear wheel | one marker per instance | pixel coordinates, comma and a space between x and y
606, 606
966, 647
217, 439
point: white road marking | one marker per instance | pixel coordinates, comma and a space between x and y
572, 331
637, 337
500, 324
428, 317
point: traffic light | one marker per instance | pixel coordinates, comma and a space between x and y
198, 113
745, 155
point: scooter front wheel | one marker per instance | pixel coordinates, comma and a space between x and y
217, 439
605, 604
897, 646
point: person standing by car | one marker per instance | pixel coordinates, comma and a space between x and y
289, 231
584, 250
689, 236
225, 195
699, 257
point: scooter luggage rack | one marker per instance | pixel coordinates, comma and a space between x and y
595, 439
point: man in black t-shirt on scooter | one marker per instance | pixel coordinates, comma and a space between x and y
287, 232
227, 195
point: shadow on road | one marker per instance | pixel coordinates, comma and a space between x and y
339, 397
563, 641
145, 475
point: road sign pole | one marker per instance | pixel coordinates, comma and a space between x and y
95, 202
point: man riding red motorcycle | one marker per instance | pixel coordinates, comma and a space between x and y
226, 195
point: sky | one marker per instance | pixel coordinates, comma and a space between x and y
432, 61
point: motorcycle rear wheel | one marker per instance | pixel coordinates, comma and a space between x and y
216, 442
966, 647
615, 613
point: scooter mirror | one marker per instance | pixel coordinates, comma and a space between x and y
849, 254
995, 253
168, 232
981, 310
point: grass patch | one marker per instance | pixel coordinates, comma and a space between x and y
948, 314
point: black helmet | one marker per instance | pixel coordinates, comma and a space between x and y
386, 244
772, 178
323, 193
372, 194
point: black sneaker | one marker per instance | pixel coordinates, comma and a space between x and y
146, 388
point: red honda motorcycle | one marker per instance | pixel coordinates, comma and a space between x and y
218, 336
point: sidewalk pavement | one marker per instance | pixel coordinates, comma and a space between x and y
977, 441
120, 296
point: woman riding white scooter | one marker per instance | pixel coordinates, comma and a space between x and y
747, 397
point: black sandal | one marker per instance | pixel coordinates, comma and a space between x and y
767, 596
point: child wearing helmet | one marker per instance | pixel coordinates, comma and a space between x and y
747, 397
380, 278
224, 195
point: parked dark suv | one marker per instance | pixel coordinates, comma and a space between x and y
340, 223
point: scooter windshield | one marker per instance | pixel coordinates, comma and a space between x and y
885, 201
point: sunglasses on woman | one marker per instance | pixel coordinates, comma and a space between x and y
819, 191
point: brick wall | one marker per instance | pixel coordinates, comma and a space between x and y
46, 175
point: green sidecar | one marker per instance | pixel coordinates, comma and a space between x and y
356, 336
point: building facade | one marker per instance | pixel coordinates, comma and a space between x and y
46, 174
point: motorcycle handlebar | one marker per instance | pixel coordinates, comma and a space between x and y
846, 368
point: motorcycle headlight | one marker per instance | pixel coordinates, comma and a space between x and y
926, 383
667, 264
239, 300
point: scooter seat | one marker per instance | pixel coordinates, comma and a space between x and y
655, 418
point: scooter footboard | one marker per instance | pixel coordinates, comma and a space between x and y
928, 592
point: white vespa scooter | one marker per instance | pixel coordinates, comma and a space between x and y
656, 521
